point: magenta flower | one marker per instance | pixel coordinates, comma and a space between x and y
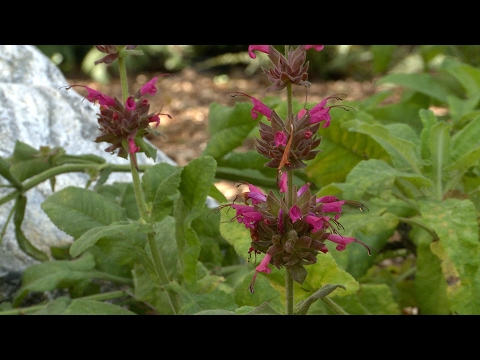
280, 138
295, 214
263, 267
94, 95
149, 87
258, 106
315, 221
130, 104
255, 194
247, 215
252, 48
342, 242
316, 47
133, 148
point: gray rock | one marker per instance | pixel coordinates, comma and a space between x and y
38, 110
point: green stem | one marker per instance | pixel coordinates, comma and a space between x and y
145, 217
333, 306
288, 293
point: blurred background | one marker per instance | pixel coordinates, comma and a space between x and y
356, 62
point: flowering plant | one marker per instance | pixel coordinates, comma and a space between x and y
158, 245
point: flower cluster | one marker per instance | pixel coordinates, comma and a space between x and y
120, 123
292, 230
291, 237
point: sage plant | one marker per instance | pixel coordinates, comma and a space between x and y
290, 228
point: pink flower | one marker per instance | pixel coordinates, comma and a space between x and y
295, 213
149, 87
316, 47
133, 148
341, 241
247, 215
252, 48
94, 95
315, 221
280, 138
154, 119
302, 190
263, 267
255, 194
130, 103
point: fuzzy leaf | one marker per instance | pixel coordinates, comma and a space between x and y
196, 180
228, 127
92, 307
76, 210
160, 184
455, 223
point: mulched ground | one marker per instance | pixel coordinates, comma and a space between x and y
186, 97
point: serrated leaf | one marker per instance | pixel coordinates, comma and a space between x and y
160, 184
341, 150
22, 240
423, 83
121, 231
455, 223
228, 128
403, 152
371, 299
430, 284
6, 173
197, 179
376, 177
76, 210
50, 275
92, 307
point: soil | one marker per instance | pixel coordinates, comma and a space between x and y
186, 97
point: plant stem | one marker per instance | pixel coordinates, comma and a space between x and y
63, 169
288, 293
333, 306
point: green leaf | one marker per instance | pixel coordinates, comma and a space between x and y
122, 194
439, 146
403, 152
6, 173
264, 309
119, 232
466, 74
55, 307
375, 177
197, 179
75, 210
430, 284
160, 185
371, 299
423, 83
467, 139
228, 127
193, 303
50, 275
341, 151
455, 222
302, 307
22, 240
92, 307
146, 148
